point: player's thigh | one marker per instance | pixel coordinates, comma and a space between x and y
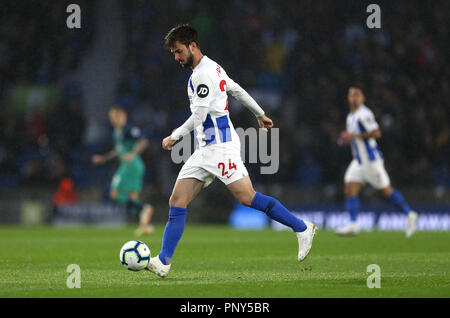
227, 165
184, 191
354, 174
242, 190
132, 177
116, 181
378, 178
118, 191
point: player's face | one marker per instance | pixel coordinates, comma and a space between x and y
182, 54
117, 118
355, 97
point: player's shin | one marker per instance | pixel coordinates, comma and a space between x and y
352, 206
172, 233
273, 208
397, 199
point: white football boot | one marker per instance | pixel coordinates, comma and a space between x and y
348, 230
305, 240
156, 266
411, 224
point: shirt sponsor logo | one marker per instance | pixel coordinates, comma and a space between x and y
202, 90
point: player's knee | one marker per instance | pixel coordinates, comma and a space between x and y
177, 200
245, 201
386, 192
245, 198
350, 191
172, 200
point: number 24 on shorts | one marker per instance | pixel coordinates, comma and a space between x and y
231, 166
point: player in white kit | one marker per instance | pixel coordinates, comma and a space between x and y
217, 151
367, 165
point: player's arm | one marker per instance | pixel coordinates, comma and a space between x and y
373, 134
196, 119
348, 137
202, 98
140, 145
241, 94
138, 148
100, 159
369, 127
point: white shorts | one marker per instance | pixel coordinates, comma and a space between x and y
373, 173
213, 161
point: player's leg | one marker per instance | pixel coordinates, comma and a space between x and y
396, 198
353, 183
191, 179
351, 193
184, 191
145, 211
379, 179
133, 182
118, 192
134, 205
243, 191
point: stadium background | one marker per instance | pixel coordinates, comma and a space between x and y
297, 58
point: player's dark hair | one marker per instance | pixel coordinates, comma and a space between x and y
118, 108
183, 33
357, 86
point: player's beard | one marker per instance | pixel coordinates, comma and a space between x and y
189, 61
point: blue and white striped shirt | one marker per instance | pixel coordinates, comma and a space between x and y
363, 121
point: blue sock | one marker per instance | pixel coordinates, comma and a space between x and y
352, 206
397, 199
172, 233
273, 208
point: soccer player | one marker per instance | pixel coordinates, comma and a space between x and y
217, 151
367, 165
126, 184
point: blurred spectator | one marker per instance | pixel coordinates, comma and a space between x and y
66, 193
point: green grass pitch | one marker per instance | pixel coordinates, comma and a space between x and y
216, 261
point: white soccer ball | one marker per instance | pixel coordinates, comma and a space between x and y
135, 255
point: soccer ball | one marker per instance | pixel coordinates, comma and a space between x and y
135, 255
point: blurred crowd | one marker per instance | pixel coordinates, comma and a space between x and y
39, 57
296, 58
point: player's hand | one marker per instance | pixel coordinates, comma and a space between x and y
168, 142
97, 159
347, 137
265, 122
128, 156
